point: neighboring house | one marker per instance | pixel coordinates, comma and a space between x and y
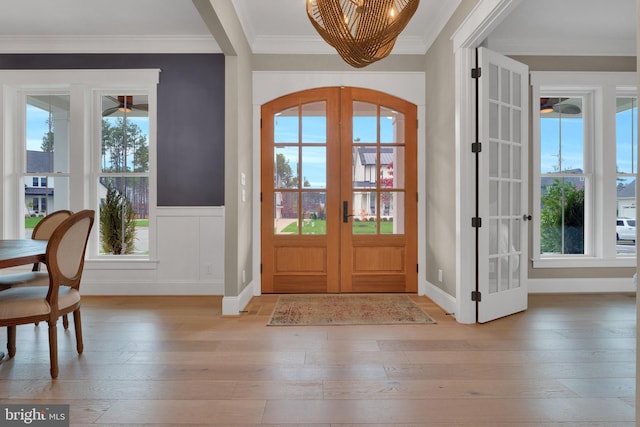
365, 175
38, 190
577, 181
627, 200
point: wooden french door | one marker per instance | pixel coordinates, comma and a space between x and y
339, 192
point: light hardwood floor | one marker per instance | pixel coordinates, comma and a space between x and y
567, 361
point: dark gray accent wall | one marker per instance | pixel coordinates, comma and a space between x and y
190, 117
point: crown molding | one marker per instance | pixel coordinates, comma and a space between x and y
108, 44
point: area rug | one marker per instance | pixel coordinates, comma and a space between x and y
347, 309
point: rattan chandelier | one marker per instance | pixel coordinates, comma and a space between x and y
362, 31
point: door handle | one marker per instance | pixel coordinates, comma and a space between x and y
345, 211
526, 217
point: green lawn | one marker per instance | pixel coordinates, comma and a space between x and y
320, 227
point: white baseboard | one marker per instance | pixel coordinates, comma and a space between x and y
440, 297
151, 288
590, 285
232, 306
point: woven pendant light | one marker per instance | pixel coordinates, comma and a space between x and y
362, 31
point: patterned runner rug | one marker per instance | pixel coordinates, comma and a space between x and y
347, 309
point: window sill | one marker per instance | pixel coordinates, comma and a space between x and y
116, 263
584, 262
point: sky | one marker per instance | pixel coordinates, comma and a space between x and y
572, 142
314, 131
37, 127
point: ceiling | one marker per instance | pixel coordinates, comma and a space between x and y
585, 27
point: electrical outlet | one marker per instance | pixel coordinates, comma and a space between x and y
440, 276
244, 277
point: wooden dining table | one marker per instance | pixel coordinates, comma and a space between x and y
16, 252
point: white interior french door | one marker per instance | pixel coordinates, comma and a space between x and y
502, 173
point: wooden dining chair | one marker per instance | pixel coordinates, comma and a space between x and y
42, 231
65, 263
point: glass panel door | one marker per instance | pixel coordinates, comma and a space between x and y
324, 191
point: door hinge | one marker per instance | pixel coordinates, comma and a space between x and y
476, 296
417, 268
476, 222
476, 147
476, 73
417, 197
417, 124
260, 123
260, 268
261, 197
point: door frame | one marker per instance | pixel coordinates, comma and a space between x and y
482, 20
269, 85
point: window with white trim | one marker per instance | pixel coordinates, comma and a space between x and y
584, 168
75, 134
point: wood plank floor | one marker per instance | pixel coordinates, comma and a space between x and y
159, 361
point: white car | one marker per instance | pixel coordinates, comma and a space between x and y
626, 229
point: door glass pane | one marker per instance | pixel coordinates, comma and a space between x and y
516, 100
365, 122
364, 212
392, 167
515, 271
505, 199
516, 199
505, 82
494, 159
494, 123
517, 126
493, 275
516, 167
515, 235
391, 126
285, 215
314, 123
392, 212
494, 86
365, 161
314, 167
505, 123
493, 236
493, 198
285, 167
504, 273
313, 213
286, 126
505, 160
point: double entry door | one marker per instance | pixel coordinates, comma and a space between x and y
338, 192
